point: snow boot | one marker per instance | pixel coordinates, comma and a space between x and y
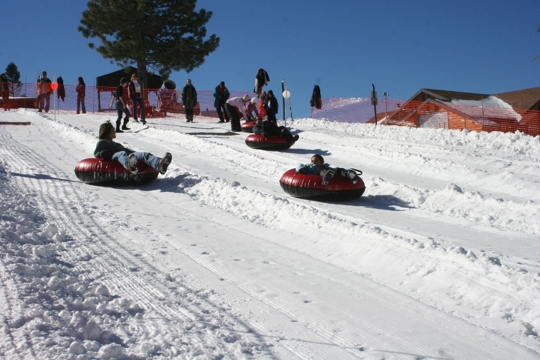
132, 164
164, 163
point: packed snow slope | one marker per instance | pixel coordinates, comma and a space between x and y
439, 259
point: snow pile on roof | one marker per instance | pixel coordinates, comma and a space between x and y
490, 107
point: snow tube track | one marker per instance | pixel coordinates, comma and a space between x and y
311, 187
260, 142
248, 126
105, 172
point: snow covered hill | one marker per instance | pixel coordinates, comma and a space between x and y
439, 259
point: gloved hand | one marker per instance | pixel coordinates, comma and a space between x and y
302, 170
105, 155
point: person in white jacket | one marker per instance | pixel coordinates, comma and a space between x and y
235, 105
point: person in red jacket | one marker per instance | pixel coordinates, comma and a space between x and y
81, 92
4, 89
44, 90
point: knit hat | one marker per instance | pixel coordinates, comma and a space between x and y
246, 97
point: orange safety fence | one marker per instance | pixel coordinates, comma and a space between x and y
430, 114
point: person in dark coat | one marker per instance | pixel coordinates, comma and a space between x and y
4, 89
316, 98
268, 128
136, 95
318, 166
189, 100
261, 79
61, 89
81, 93
121, 106
221, 93
271, 106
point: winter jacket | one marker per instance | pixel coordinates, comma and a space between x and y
81, 90
261, 79
61, 92
250, 108
316, 97
311, 169
48, 86
110, 147
271, 106
260, 106
239, 104
189, 96
4, 87
221, 95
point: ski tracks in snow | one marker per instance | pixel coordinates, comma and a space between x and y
156, 274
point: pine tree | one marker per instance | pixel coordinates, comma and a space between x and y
13, 75
164, 35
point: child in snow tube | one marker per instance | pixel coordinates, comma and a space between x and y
318, 181
318, 166
107, 149
269, 128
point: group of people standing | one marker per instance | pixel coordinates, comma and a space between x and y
45, 90
262, 109
134, 90
263, 105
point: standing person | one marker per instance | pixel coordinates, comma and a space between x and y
221, 93
81, 92
261, 79
251, 109
4, 89
107, 149
121, 107
271, 106
261, 105
44, 91
316, 100
189, 99
135, 91
232, 106
61, 92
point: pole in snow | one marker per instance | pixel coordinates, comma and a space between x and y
287, 96
283, 98
374, 102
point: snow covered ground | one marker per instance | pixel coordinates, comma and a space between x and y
439, 259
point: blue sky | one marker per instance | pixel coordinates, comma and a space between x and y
342, 46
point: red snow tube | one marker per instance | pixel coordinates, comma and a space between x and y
107, 172
248, 126
260, 142
311, 187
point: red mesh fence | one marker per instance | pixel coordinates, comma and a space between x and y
430, 114
355, 110
100, 98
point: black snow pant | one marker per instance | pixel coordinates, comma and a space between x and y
233, 115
